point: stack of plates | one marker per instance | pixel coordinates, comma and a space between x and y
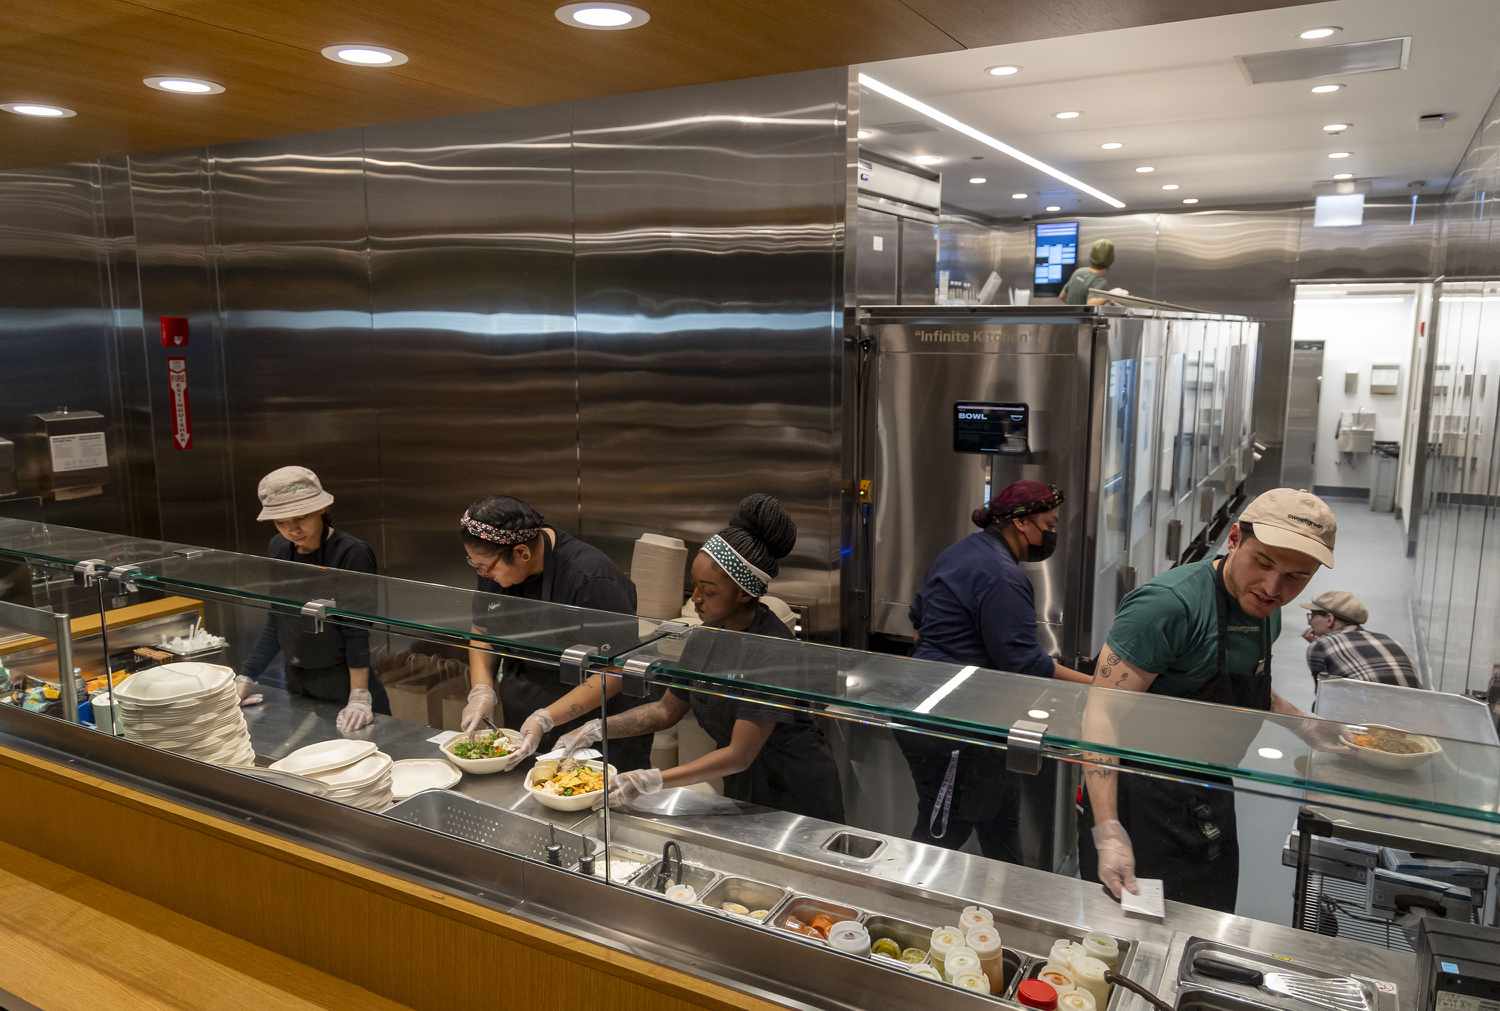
354, 772
189, 708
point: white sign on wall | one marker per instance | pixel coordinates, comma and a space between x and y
84, 451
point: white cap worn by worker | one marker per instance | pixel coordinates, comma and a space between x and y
1296, 520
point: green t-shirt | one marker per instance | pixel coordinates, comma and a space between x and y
1169, 627
1083, 281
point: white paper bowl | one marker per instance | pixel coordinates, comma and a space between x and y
483, 766
1386, 760
578, 802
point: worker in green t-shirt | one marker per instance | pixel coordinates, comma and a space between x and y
1201, 631
1081, 287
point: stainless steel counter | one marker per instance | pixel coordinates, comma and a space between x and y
900, 878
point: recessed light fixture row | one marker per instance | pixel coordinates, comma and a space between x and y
1145, 170
1190, 200
1169, 187
1019, 196
184, 85
602, 17
1326, 89
38, 110
978, 180
1338, 155
360, 54
1335, 127
1341, 176
1003, 70
1067, 114
1111, 145
1322, 32
1053, 208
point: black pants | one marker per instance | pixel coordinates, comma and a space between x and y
331, 684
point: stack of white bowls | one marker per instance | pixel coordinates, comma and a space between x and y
188, 708
354, 771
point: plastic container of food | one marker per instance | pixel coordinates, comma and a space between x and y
1058, 977
1076, 1000
986, 944
975, 981
975, 916
1088, 974
943, 940
685, 894
959, 961
1038, 994
1103, 947
926, 971
1064, 951
484, 766
849, 937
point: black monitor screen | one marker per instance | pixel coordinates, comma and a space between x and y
990, 428
1056, 257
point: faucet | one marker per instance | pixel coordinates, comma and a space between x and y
664, 877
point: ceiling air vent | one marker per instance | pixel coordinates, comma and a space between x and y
1327, 61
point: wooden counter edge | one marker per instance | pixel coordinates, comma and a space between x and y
665, 980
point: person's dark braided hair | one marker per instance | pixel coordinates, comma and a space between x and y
762, 532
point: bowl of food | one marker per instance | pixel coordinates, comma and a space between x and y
577, 788
486, 751
1388, 748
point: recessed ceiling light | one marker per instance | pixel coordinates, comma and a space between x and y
184, 85
1038, 714
1111, 145
993, 143
1313, 34
359, 54
929, 159
1067, 114
1190, 200
1335, 127
865, 134
1326, 89
1170, 186
603, 17
1340, 177
1339, 154
1018, 196
1053, 208
1145, 169
38, 111
1004, 70
1273, 754
978, 180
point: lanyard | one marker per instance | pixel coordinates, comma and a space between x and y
1221, 608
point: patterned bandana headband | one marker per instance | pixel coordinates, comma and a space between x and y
746, 576
504, 538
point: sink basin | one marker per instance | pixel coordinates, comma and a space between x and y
1209, 1000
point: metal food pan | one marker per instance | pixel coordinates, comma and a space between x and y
616, 852
701, 878
747, 892
903, 932
1019, 965
805, 907
455, 814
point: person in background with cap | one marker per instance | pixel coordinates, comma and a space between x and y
1201, 631
976, 608
332, 665
1086, 280
1343, 648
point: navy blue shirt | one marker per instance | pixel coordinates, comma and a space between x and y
976, 607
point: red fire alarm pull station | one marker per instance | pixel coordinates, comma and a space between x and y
174, 331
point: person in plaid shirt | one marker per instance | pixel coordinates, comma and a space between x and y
1341, 647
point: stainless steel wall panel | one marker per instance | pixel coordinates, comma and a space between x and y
919, 255
1395, 240
877, 257
970, 249
55, 327
173, 207
707, 282
471, 276
293, 277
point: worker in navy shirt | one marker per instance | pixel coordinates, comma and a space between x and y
976, 608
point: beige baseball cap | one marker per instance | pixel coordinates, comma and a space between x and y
1342, 604
288, 492
1294, 519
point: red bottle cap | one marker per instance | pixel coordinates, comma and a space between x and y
1038, 994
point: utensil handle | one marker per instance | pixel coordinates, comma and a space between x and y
1229, 972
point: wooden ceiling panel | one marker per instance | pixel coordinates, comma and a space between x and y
91, 55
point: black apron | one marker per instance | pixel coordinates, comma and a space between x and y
1186, 833
331, 684
794, 771
526, 687
312, 666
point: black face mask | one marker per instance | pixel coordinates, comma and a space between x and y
1043, 551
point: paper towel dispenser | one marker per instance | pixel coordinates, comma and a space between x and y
7, 468
68, 453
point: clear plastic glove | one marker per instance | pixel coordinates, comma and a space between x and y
627, 786
246, 688
1116, 858
591, 732
358, 714
480, 707
537, 725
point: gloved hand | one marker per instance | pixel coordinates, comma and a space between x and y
1116, 857
358, 714
246, 689
537, 725
627, 786
591, 732
480, 707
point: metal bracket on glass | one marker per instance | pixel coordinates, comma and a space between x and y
123, 576
573, 662
635, 676
317, 612
1023, 748
90, 571
190, 552
672, 629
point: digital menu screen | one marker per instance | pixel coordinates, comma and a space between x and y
1056, 257
991, 428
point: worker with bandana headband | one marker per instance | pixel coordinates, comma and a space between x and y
976, 608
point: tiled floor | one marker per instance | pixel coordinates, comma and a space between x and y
1368, 544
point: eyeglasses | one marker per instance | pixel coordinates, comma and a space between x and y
482, 566
1317, 614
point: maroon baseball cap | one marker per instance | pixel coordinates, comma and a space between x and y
1019, 499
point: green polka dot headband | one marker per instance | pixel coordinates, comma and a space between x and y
746, 576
